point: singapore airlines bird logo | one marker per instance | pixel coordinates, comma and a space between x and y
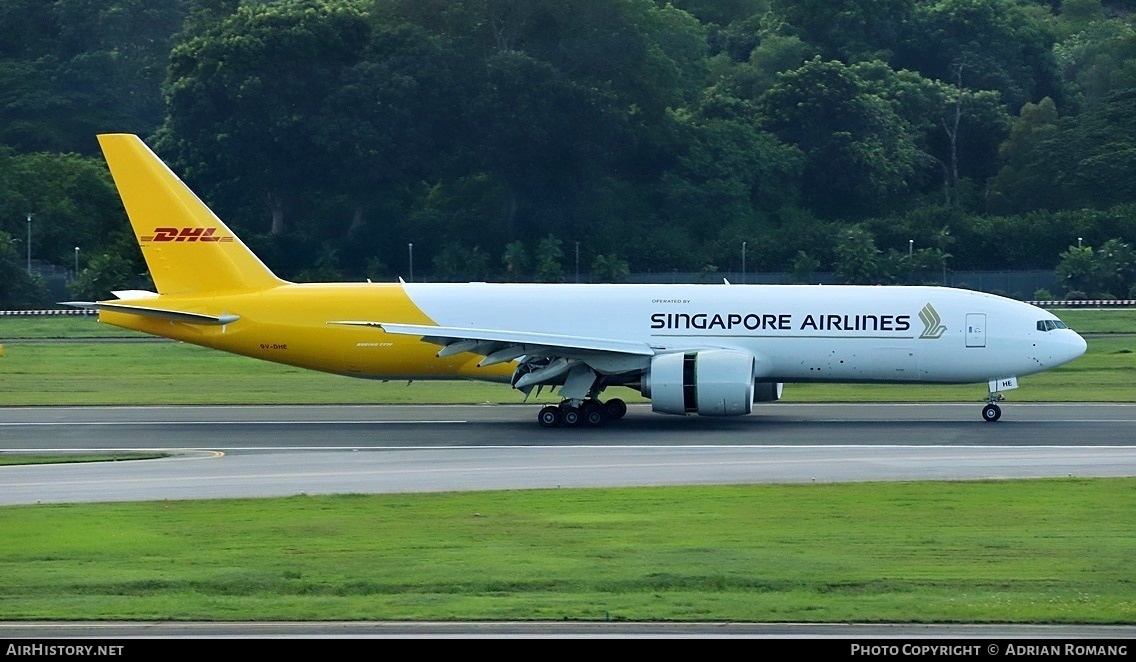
933, 328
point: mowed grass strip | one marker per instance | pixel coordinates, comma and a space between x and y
8, 458
1044, 551
1098, 320
18, 327
169, 373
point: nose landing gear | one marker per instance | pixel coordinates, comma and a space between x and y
992, 412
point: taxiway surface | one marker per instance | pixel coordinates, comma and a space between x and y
221, 452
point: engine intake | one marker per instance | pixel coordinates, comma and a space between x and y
714, 382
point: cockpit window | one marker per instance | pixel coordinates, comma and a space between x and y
1049, 325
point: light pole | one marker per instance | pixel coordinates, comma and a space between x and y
743, 263
1078, 242
577, 262
29, 243
910, 247
410, 250
76, 262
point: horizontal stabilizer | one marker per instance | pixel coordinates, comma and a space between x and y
173, 315
134, 294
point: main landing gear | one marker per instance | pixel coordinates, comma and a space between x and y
992, 412
589, 413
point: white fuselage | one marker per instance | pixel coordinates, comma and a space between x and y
798, 333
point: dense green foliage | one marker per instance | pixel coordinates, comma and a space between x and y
527, 139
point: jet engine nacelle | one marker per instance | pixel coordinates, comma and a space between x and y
713, 382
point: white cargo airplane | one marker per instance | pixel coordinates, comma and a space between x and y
712, 350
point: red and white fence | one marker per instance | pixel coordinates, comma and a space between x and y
51, 311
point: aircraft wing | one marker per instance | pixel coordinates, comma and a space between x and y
575, 363
498, 345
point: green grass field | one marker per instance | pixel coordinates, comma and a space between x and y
38, 370
1021, 551
1045, 551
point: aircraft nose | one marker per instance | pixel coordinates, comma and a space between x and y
1073, 347
1079, 346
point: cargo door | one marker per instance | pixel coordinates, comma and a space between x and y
976, 329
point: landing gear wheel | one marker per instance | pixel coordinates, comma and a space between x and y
593, 414
615, 409
549, 417
991, 413
570, 417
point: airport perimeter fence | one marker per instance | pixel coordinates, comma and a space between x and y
1020, 285
47, 311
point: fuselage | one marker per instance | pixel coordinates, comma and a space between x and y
798, 333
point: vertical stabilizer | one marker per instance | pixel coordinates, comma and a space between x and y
187, 248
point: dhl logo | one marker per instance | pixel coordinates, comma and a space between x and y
185, 234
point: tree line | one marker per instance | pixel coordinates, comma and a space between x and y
886, 141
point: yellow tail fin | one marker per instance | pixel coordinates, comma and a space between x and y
187, 248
